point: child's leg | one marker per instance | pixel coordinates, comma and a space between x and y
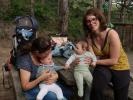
43, 91
79, 82
57, 90
88, 78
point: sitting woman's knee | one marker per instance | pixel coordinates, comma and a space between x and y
50, 96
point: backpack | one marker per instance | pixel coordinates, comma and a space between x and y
25, 32
26, 27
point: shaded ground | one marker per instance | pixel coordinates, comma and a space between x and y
5, 94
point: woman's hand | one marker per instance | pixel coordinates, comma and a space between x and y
52, 79
93, 64
45, 75
76, 61
88, 60
25, 79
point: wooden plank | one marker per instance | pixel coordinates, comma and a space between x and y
16, 84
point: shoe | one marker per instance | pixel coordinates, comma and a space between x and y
80, 98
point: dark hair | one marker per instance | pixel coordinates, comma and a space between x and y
41, 44
99, 15
24, 49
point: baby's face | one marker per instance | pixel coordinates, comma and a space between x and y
78, 49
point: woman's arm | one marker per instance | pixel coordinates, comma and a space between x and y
25, 79
114, 50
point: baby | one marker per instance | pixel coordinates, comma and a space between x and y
47, 64
81, 70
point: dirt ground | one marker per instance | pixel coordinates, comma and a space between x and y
5, 94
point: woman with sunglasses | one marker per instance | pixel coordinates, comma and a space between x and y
112, 62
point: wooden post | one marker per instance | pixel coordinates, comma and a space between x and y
43, 2
99, 4
63, 15
32, 7
94, 4
109, 12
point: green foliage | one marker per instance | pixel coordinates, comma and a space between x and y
81, 4
17, 8
77, 9
21, 7
75, 24
39, 9
47, 14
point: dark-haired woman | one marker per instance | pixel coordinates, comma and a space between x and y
28, 63
112, 64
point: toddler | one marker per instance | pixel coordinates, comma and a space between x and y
47, 64
81, 70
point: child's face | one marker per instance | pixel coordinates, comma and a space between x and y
79, 49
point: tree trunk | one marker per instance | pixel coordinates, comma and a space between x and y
122, 10
99, 4
63, 15
43, 2
94, 4
109, 12
32, 7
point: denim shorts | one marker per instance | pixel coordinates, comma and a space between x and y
32, 93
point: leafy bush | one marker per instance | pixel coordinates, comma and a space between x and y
47, 14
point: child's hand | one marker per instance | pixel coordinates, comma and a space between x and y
52, 79
66, 66
45, 75
93, 64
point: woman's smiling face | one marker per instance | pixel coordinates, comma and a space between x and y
93, 23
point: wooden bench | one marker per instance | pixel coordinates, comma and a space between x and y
16, 84
66, 76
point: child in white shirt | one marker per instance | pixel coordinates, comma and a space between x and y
47, 64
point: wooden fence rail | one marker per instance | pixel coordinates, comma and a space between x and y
126, 34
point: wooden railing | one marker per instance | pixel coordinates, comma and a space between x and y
125, 32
